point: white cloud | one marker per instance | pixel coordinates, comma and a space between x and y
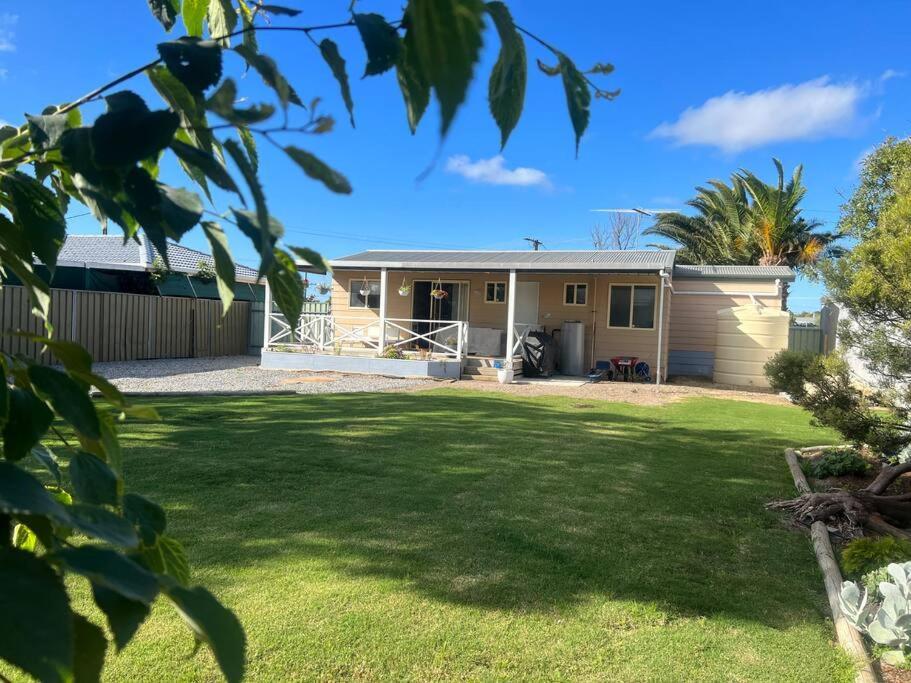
493, 171
737, 120
7, 22
889, 74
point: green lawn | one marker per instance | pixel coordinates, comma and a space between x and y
454, 535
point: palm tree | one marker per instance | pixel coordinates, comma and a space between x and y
749, 222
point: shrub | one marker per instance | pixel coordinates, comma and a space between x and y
787, 371
864, 555
837, 463
888, 624
871, 581
393, 352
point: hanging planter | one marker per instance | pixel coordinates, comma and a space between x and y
323, 288
365, 289
404, 289
438, 292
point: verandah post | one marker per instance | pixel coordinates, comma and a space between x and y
267, 316
383, 280
510, 317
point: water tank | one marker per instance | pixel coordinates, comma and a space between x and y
747, 337
572, 347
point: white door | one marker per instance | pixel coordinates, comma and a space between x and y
527, 302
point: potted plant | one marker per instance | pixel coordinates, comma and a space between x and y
504, 372
438, 292
404, 289
324, 288
365, 288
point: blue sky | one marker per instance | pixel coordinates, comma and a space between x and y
705, 92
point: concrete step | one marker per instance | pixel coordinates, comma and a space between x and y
476, 362
478, 378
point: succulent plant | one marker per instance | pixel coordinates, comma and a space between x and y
888, 623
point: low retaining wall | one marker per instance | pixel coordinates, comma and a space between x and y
285, 360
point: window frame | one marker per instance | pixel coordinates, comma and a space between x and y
575, 286
494, 301
351, 289
632, 305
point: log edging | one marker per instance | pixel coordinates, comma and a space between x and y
849, 637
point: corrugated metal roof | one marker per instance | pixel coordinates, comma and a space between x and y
110, 251
707, 272
586, 261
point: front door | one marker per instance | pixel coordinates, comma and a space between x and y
527, 303
428, 310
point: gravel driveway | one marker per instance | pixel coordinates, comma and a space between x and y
237, 374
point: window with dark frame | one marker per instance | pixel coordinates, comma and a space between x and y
632, 306
575, 294
358, 300
495, 293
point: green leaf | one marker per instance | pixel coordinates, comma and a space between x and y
447, 39
207, 163
110, 444
249, 143
190, 107
148, 517
98, 522
29, 419
72, 355
45, 130
268, 71
381, 41
578, 97
37, 624
222, 103
93, 481
279, 10
318, 170
195, 63
285, 283
549, 70
36, 212
125, 135
110, 569
215, 625
193, 14
165, 11
46, 458
259, 199
222, 20
314, 258
89, 646
330, 53
38, 290
506, 89
70, 400
224, 264
23, 494
412, 82
246, 18
124, 615
167, 556
262, 238
163, 211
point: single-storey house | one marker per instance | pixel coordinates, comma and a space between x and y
474, 306
107, 263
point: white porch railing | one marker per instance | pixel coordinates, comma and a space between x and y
321, 332
521, 331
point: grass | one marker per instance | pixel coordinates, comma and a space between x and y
453, 534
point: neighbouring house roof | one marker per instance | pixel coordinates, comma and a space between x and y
640, 260
111, 253
706, 272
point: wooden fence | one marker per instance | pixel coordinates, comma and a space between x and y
122, 327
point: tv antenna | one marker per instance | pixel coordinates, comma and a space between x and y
535, 243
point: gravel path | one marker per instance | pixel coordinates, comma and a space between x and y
238, 374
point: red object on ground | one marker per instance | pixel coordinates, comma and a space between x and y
625, 365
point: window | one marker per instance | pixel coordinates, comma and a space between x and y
495, 293
358, 300
575, 294
632, 306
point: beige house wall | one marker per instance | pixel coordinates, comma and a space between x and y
552, 311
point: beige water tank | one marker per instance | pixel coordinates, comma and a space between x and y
747, 337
